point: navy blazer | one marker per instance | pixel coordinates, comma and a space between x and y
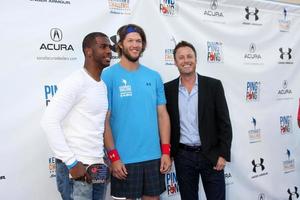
214, 122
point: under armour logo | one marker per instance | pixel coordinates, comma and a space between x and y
56, 34
295, 193
112, 156
258, 165
148, 84
114, 40
285, 53
214, 4
255, 13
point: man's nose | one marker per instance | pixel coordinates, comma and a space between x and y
185, 60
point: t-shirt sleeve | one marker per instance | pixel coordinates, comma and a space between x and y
105, 76
161, 99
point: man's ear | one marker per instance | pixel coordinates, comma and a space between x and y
120, 45
88, 51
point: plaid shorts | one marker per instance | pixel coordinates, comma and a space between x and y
144, 178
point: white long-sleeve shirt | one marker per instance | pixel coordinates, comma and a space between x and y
74, 119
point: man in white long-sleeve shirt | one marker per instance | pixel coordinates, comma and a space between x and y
74, 124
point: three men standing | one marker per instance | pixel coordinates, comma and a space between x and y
137, 126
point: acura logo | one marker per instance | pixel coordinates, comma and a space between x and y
261, 196
285, 84
214, 4
252, 48
173, 40
56, 34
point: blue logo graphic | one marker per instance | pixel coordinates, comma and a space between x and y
52, 167
214, 52
49, 91
285, 124
168, 7
171, 183
253, 91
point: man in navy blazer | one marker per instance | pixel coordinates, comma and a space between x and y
201, 132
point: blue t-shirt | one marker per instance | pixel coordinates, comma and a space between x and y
133, 98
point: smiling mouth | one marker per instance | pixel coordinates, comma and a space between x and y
107, 59
135, 51
186, 66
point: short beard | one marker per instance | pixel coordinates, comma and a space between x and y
131, 59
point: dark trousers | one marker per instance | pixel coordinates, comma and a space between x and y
189, 165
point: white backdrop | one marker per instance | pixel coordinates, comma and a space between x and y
254, 51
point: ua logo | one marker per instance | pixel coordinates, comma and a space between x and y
114, 40
258, 165
285, 53
295, 193
255, 13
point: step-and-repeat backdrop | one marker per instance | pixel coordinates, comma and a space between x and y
252, 46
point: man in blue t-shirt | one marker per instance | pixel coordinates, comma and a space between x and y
137, 134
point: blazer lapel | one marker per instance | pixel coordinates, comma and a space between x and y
175, 93
201, 94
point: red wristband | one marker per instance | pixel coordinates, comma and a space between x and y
113, 155
166, 149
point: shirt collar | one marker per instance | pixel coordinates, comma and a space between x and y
195, 84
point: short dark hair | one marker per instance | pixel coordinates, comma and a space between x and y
184, 44
89, 39
129, 28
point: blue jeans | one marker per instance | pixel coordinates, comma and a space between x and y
77, 190
189, 165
